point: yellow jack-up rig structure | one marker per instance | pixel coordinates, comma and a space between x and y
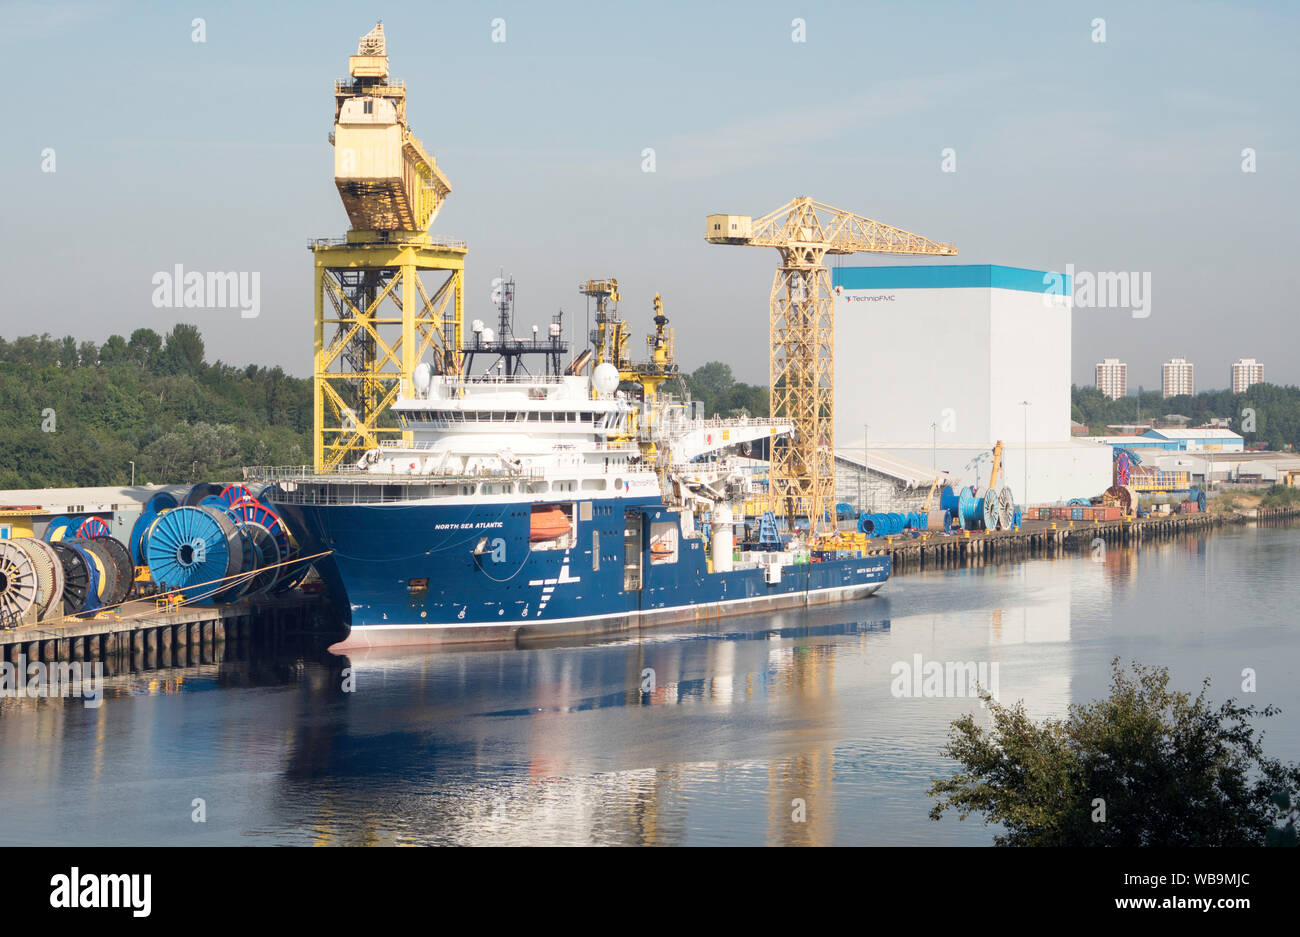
802, 332
387, 292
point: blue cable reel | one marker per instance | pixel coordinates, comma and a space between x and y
59, 528
191, 547
161, 501
138, 531
969, 510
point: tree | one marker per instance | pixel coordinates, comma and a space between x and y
709, 383
114, 352
144, 347
89, 354
68, 352
1146, 766
183, 351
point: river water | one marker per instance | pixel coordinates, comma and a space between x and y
787, 728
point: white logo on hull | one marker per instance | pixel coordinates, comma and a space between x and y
548, 585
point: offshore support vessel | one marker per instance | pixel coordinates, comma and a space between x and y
490, 503
524, 504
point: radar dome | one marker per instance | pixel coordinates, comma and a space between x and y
422, 376
605, 378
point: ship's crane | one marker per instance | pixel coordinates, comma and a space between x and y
801, 322
929, 498
379, 308
387, 181
610, 335
997, 466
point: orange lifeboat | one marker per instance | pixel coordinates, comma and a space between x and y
547, 523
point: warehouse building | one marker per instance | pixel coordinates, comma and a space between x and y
936, 363
1208, 469
1198, 439
27, 512
874, 481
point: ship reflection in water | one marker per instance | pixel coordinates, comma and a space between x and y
795, 728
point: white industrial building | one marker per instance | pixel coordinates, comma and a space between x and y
936, 363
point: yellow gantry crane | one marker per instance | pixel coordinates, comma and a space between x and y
375, 317
801, 366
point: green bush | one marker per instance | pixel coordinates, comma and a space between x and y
1280, 496
1147, 766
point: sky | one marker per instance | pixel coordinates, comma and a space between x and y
1117, 156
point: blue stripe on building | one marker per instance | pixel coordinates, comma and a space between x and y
949, 276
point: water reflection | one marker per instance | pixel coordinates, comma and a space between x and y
777, 729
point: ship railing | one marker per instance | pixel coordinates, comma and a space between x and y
349, 86
489, 379
702, 468
307, 485
738, 421
350, 473
394, 237
600, 448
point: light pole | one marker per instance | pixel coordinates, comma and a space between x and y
132, 474
1025, 491
934, 442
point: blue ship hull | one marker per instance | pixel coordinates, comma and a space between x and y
435, 573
